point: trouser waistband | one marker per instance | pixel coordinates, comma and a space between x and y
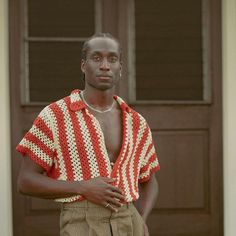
88, 204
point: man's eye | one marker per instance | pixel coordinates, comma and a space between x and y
113, 59
96, 58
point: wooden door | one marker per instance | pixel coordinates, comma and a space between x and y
175, 82
45, 45
187, 133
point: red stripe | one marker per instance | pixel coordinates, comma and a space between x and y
75, 91
63, 139
121, 183
94, 138
28, 152
41, 145
80, 144
41, 125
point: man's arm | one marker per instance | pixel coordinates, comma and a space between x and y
148, 192
32, 181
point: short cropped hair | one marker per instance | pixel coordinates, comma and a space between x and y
97, 35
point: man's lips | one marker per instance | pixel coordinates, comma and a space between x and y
104, 77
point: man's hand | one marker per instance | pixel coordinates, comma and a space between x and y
146, 232
100, 191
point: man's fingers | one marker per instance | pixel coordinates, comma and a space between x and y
110, 207
146, 231
113, 208
108, 180
117, 195
115, 202
115, 189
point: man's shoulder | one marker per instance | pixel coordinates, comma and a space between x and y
137, 115
134, 114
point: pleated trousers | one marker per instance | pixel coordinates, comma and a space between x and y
88, 219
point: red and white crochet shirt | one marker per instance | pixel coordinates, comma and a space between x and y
67, 141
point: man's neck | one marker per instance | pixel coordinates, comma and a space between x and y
98, 98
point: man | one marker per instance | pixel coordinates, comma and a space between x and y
93, 153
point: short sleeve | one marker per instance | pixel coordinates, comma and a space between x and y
38, 143
149, 163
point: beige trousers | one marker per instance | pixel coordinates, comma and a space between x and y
88, 219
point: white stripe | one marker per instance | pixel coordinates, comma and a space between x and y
127, 158
70, 139
88, 146
63, 173
74, 97
37, 151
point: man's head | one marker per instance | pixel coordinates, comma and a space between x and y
85, 47
101, 61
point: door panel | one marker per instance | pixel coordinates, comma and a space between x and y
183, 171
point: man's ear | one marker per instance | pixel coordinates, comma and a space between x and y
82, 65
120, 69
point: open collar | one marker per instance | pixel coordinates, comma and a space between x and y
76, 103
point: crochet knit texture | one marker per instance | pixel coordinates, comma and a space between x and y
68, 142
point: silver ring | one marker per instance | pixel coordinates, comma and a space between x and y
107, 205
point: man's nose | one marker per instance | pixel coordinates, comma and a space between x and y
105, 65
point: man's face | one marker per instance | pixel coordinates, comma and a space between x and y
102, 66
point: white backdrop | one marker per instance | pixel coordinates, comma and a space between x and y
5, 157
229, 114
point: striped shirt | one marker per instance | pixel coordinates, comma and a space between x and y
68, 142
